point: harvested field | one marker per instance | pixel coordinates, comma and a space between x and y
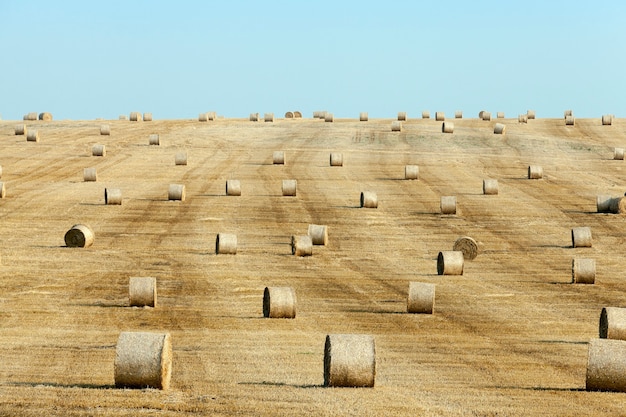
508, 337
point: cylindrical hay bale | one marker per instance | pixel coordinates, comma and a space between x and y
570, 121
396, 126
45, 116
480, 114
448, 204
421, 298
499, 129
135, 116
490, 187
349, 360
301, 245
79, 236
113, 196
98, 150
289, 115
176, 192
363, 116
535, 172
90, 175
297, 115
180, 158
402, 115
289, 188
522, 118
581, 237
606, 365
618, 154
567, 113
123, 117
31, 116
607, 120
33, 136
279, 303
486, 116
450, 262
268, 117
153, 139
426, 114
530, 114
447, 127
500, 115
336, 159
583, 271
318, 234
603, 203
142, 292
226, 244
613, 323
467, 246
3, 191
278, 158
254, 117
458, 114
105, 130
369, 199
440, 116
411, 172
203, 117
328, 117
617, 205
213, 115
147, 117
21, 129
233, 187
143, 360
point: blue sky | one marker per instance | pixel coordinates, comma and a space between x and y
89, 59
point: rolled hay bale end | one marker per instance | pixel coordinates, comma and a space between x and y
535, 172
499, 129
603, 203
369, 199
617, 205
486, 116
583, 271
448, 205
336, 159
363, 116
567, 113
450, 263
289, 115
279, 303
447, 127
143, 360
268, 117
522, 118
402, 116
426, 114
606, 365
112, 196
500, 115
30, 116
440, 116
147, 117
290, 188
396, 126
328, 117
20, 130
90, 175
318, 234
98, 150
349, 360
607, 120
613, 323
278, 158
458, 114
297, 115
490, 187
3, 191
467, 246
581, 237
531, 114
254, 117
45, 116
570, 121
226, 244
135, 116
180, 158
153, 139
233, 187
176, 192
32, 136
411, 172
421, 298
142, 292
618, 154
79, 236
105, 130
301, 245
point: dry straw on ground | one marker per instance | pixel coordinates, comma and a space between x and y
153, 139
421, 298
448, 204
583, 271
113, 196
180, 158
176, 192
490, 186
279, 303
349, 360
98, 150
581, 237
290, 188
278, 158
467, 246
233, 187
318, 234
363, 116
226, 244
336, 159
535, 172
369, 199
301, 245
143, 360
612, 323
606, 365
447, 127
142, 292
79, 236
450, 263
105, 130
90, 175
411, 172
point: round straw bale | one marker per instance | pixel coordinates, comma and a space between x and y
583, 271
289, 188
21, 129
147, 117
278, 158
522, 118
279, 303
297, 115
105, 130
421, 298
581, 237
535, 172
33, 136
450, 263
203, 117
363, 116
467, 246
369, 199
113, 196
153, 139
135, 116
402, 115
613, 323
336, 159
499, 129
3, 191
180, 158
213, 115
618, 154
233, 187
301, 245
531, 114
98, 150
486, 116
448, 204
603, 203
500, 115
79, 236
123, 117
318, 234
90, 174
607, 120
617, 205
606, 365
30, 116
570, 121
396, 126
143, 360
176, 192
440, 116
426, 114
289, 115
447, 127
490, 187
567, 113
411, 172
268, 117
328, 117
226, 244
142, 292
349, 360
45, 116
458, 114
254, 117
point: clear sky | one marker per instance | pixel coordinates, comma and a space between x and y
88, 59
